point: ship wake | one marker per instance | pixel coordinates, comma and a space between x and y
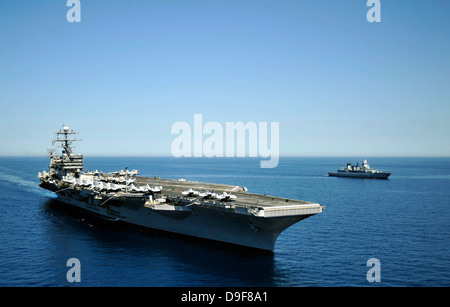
22, 183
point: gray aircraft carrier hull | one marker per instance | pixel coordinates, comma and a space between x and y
200, 222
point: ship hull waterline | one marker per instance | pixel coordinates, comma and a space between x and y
360, 175
254, 232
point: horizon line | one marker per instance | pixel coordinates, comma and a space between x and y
280, 156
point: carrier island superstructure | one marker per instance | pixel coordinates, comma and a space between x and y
218, 212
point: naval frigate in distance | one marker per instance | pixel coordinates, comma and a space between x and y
363, 171
218, 212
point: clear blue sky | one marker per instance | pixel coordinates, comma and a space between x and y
337, 84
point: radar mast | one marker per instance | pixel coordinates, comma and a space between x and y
67, 163
62, 136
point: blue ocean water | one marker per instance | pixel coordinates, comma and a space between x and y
404, 222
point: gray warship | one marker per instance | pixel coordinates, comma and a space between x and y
363, 171
217, 212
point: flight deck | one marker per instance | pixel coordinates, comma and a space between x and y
269, 205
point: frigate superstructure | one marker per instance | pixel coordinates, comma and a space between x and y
356, 171
218, 212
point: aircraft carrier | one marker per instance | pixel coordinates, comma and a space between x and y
218, 212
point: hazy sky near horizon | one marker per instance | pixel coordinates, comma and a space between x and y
337, 84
